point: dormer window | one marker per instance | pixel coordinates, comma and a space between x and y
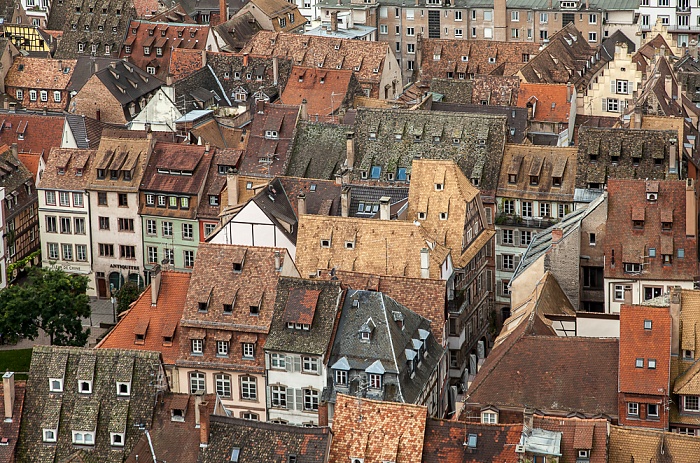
455, 141
421, 215
489, 417
439, 186
638, 224
49, 435
255, 310
177, 414
271, 134
61, 171
365, 336
56, 384
325, 243
374, 381
83, 438
123, 389
116, 439
85, 387
556, 181
615, 160
373, 135
534, 180
666, 226
512, 178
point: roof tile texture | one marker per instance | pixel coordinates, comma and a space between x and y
445, 442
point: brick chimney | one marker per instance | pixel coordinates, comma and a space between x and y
303, 112
691, 209
260, 106
245, 60
8, 387
15, 150
203, 425
384, 208
350, 149
155, 284
323, 413
232, 187
345, 202
557, 235
301, 205
334, 21
223, 11
425, 263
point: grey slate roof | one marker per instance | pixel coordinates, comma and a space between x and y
369, 197
390, 347
516, 116
319, 150
13, 173
134, 82
316, 339
237, 31
201, 79
100, 411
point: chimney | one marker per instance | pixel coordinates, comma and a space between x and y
672, 155
203, 424
278, 260
323, 413
303, 113
147, 127
45, 110
637, 121
345, 202
568, 92
302, 204
6, 104
232, 187
691, 209
15, 151
425, 263
693, 49
675, 310
223, 11
334, 21
8, 387
155, 284
275, 70
260, 106
350, 144
668, 86
97, 114
245, 60
169, 80
384, 208
207, 148
557, 235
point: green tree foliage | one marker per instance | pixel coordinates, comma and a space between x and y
52, 301
127, 294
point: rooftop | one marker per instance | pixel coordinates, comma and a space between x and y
67, 169
325, 91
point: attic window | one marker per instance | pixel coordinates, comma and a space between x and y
455, 141
534, 180
439, 186
235, 454
465, 58
373, 135
349, 245
512, 178
471, 441
85, 387
325, 243
556, 181
421, 216
492, 60
255, 310
49, 435
365, 335
443, 215
202, 306
271, 134
593, 157
228, 308
56, 384
647, 324
117, 439
177, 414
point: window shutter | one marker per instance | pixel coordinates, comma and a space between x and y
267, 361
290, 398
268, 396
299, 399
499, 237
517, 261
489, 280
288, 365
499, 262
605, 104
516, 237
613, 86
489, 215
297, 363
489, 249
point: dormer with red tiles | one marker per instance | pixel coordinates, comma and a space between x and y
644, 367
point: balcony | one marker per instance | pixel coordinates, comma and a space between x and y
683, 28
683, 8
513, 220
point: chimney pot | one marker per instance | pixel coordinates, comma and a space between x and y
384, 208
278, 260
207, 147
232, 187
303, 112
8, 386
425, 263
301, 206
155, 284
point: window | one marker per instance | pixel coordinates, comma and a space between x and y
79, 226
169, 255
51, 224
151, 228
527, 208
249, 388
83, 438
592, 19
248, 350
250, 416
690, 403
278, 361
213, 200
489, 417
458, 15
515, 16
514, 34
56, 384
167, 228
374, 381
639, 363
310, 365
188, 256
652, 410
488, 15
197, 346
123, 388
81, 252
544, 35
44, 95
341, 377
688, 354
101, 199
544, 18
50, 198
508, 236
651, 292
310, 400
67, 251
126, 224
647, 324
223, 385
383, 29
525, 237
410, 48
508, 261
633, 268
459, 33
19, 94
123, 200
279, 396
49, 435
222, 348
116, 439
196, 382
184, 203
127, 252
64, 198
32, 95
651, 364
633, 408
621, 86
410, 31
152, 253
209, 228
65, 225
544, 210
508, 206
187, 231
53, 251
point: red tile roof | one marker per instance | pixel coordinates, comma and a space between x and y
445, 442
176, 156
636, 342
549, 101
31, 162
578, 434
162, 319
33, 133
301, 306
10, 430
630, 244
146, 8
184, 62
324, 90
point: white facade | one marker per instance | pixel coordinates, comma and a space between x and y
252, 227
160, 113
117, 255
37, 11
302, 377
630, 291
64, 221
612, 90
681, 17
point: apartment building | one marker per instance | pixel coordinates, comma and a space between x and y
679, 18
64, 212
115, 223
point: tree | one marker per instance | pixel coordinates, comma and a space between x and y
127, 294
52, 301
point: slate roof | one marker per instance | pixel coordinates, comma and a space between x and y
364, 199
318, 150
276, 9
445, 442
172, 440
644, 58
323, 300
542, 381
516, 129
161, 320
84, 68
268, 156
637, 342
544, 162
127, 82
637, 151
486, 57
480, 137
260, 441
164, 37
76, 164
372, 252
633, 444
390, 348
79, 25
578, 434
214, 185
377, 431
86, 131
101, 411
321, 52
121, 149
458, 198
10, 429
39, 133
324, 90
627, 201
236, 32
176, 14
13, 174
194, 83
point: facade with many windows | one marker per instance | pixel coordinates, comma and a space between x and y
64, 212
170, 194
